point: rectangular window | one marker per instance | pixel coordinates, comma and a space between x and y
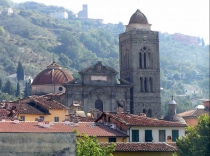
56, 119
162, 135
135, 135
112, 139
41, 117
22, 118
148, 136
175, 135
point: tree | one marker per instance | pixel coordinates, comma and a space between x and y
197, 140
1, 84
65, 61
8, 88
89, 146
20, 72
17, 93
27, 89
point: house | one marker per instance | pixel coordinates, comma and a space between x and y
101, 131
143, 129
143, 149
60, 15
28, 138
191, 116
34, 107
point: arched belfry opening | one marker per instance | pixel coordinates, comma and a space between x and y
99, 105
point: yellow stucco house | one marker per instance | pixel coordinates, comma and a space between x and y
35, 107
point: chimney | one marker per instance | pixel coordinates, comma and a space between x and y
142, 114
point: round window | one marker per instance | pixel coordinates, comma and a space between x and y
60, 88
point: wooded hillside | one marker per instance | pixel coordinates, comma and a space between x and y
30, 35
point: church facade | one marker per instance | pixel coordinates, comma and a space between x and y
99, 89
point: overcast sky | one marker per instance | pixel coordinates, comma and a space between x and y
189, 17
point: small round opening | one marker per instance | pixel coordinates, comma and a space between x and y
60, 88
144, 48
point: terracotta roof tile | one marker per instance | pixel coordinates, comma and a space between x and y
31, 105
48, 102
83, 127
137, 120
194, 112
138, 146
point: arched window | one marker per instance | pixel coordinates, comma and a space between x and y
145, 61
140, 60
151, 84
145, 85
145, 111
149, 113
141, 85
99, 105
148, 60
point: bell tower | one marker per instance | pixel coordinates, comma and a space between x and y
139, 64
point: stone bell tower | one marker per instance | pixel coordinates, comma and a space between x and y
139, 64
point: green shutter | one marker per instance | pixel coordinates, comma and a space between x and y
135, 135
175, 135
148, 136
162, 136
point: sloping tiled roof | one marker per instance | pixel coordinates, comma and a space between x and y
137, 120
48, 102
83, 127
140, 147
25, 108
194, 112
32, 105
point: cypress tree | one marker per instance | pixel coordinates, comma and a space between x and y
20, 72
8, 88
1, 84
27, 89
17, 94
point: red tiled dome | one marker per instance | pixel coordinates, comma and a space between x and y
54, 74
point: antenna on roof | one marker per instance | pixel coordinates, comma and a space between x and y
172, 97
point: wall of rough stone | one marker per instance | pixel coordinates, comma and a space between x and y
38, 144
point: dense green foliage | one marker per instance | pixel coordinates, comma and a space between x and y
197, 140
30, 35
17, 93
20, 72
89, 146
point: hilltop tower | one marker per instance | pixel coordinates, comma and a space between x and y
139, 64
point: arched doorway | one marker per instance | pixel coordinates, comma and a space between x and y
99, 105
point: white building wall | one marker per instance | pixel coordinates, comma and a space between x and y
155, 132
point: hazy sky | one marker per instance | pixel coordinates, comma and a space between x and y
190, 17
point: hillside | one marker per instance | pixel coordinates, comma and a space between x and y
31, 36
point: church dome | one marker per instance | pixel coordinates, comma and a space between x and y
174, 118
54, 74
138, 18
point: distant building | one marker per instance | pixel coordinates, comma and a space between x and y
84, 12
143, 129
186, 39
32, 108
59, 15
191, 116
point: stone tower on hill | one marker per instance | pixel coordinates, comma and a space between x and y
139, 64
